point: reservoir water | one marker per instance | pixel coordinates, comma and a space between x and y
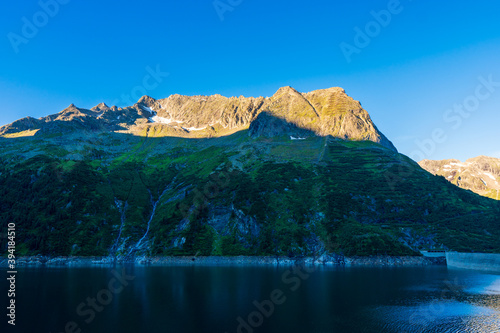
254, 299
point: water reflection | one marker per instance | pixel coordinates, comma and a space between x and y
452, 301
219, 299
437, 316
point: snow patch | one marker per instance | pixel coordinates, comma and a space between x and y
147, 108
490, 175
189, 129
161, 120
158, 119
294, 138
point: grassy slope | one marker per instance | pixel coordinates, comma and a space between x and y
232, 195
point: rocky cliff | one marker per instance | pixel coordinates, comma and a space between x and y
321, 113
480, 174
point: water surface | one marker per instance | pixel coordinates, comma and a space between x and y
255, 299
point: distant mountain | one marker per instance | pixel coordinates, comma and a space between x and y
321, 112
294, 174
480, 175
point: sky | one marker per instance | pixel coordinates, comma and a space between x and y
426, 71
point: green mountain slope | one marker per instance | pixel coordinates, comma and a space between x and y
119, 194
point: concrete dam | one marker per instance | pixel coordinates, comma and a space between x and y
477, 261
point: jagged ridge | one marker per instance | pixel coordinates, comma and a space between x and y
321, 112
480, 174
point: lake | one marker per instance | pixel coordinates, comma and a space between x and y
255, 299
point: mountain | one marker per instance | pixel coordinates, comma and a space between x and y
322, 112
294, 174
480, 174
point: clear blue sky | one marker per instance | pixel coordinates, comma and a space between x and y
407, 75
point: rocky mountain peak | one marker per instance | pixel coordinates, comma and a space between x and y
66, 114
480, 174
286, 90
100, 107
147, 101
325, 112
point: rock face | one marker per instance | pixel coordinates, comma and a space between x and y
480, 174
24, 124
266, 125
99, 118
287, 113
343, 117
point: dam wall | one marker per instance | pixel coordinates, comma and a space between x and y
477, 261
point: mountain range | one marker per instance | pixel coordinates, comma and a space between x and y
293, 174
480, 174
321, 112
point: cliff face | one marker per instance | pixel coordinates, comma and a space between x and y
343, 117
321, 112
480, 174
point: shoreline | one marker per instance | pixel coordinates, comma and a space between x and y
326, 260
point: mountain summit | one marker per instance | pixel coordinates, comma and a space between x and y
326, 112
